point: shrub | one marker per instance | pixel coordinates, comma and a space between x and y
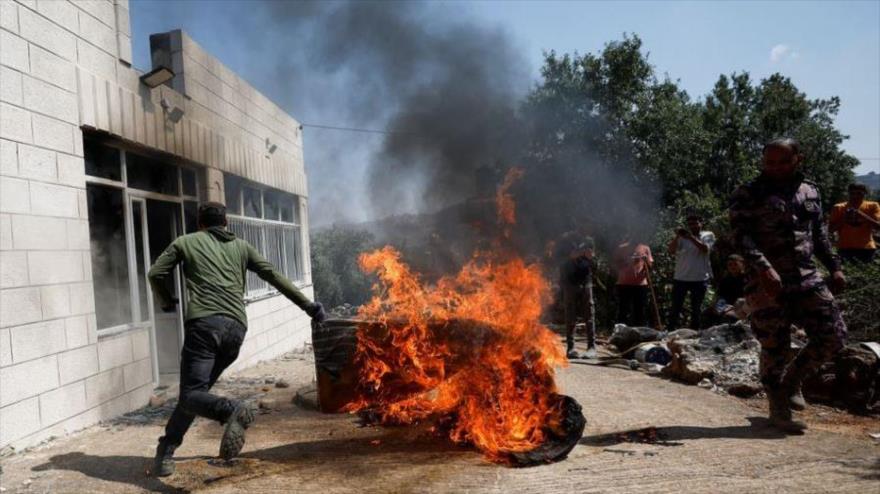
335, 273
861, 301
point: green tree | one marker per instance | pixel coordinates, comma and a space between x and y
335, 273
742, 116
609, 113
612, 106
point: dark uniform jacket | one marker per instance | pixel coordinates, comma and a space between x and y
215, 263
576, 272
780, 225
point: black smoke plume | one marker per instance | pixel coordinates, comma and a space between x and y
451, 92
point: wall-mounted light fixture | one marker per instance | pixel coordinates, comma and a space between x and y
158, 76
270, 146
174, 113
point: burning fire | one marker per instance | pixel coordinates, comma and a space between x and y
504, 201
498, 399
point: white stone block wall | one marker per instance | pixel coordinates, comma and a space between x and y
65, 67
275, 326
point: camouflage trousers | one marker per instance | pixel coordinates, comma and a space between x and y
574, 298
814, 310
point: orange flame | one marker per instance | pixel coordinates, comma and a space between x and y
504, 201
499, 397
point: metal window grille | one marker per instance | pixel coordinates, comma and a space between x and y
280, 243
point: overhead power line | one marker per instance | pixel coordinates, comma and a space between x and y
392, 132
354, 129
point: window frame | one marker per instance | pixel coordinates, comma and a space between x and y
298, 244
128, 194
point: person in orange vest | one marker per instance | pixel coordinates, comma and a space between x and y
855, 222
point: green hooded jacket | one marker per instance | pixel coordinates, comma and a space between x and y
214, 264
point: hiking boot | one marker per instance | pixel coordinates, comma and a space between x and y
572, 354
591, 352
795, 393
233, 435
780, 413
163, 463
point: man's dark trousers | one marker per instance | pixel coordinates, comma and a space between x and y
631, 303
211, 344
573, 296
680, 289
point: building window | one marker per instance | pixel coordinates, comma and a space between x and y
188, 182
123, 192
252, 201
232, 189
269, 220
109, 255
151, 175
102, 161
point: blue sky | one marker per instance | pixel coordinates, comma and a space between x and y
827, 48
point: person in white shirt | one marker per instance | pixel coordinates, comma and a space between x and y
693, 269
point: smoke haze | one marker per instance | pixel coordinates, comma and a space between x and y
449, 92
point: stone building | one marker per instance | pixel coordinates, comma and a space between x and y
100, 171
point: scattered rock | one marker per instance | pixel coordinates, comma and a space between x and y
705, 383
157, 400
682, 334
306, 397
744, 389
852, 380
281, 383
684, 366
269, 380
267, 404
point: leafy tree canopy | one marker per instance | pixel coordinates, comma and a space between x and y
614, 106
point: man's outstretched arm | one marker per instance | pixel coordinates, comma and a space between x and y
266, 271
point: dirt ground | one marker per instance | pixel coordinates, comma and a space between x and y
644, 434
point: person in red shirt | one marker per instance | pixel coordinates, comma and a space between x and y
632, 260
855, 222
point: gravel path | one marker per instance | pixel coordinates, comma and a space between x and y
644, 434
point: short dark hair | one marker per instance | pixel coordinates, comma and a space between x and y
736, 257
694, 216
212, 214
858, 186
789, 143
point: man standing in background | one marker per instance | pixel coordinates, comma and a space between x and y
632, 260
576, 283
214, 265
693, 270
855, 222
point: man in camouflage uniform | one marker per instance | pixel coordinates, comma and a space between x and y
576, 284
777, 225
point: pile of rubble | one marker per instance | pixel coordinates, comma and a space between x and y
726, 357
344, 311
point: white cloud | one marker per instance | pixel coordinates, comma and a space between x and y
778, 52
782, 52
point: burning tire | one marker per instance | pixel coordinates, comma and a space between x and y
399, 399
